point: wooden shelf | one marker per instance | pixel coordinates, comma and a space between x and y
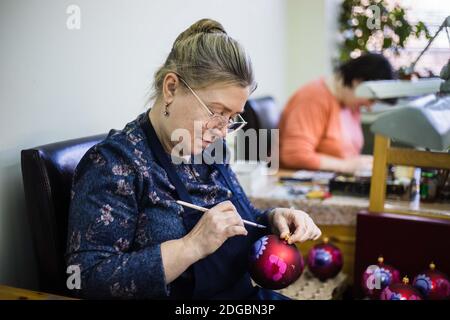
415, 158
385, 155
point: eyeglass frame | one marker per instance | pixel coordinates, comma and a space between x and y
212, 114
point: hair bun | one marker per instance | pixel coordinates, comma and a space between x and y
207, 26
202, 26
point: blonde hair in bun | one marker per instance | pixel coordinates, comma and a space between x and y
204, 54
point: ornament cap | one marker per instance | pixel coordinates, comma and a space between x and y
326, 240
432, 266
380, 259
286, 237
405, 280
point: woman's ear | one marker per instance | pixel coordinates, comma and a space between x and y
170, 85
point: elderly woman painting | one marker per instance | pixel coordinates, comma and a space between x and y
126, 231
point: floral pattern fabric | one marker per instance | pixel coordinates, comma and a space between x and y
123, 207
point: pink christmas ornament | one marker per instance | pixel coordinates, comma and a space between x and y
400, 291
275, 264
432, 284
377, 277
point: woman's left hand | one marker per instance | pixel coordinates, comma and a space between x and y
296, 225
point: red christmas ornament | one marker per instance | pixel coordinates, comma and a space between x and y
325, 260
400, 291
432, 284
275, 264
377, 277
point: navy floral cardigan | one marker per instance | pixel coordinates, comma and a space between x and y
122, 209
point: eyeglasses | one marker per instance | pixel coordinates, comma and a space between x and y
233, 124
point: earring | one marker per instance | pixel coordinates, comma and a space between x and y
166, 110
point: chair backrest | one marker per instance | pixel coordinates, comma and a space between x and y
267, 112
260, 113
47, 173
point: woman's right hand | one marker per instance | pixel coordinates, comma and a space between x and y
215, 226
359, 165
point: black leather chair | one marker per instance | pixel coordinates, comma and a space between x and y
260, 113
47, 177
267, 111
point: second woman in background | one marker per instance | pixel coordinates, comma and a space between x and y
320, 128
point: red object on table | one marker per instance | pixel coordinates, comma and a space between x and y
432, 284
325, 260
400, 291
377, 277
275, 264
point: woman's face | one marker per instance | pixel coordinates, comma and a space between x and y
199, 130
354, 102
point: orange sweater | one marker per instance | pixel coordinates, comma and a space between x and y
314, 123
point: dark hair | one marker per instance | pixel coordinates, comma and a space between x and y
370, 66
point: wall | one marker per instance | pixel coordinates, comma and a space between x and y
311, 39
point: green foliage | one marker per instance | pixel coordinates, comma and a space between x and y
356, 25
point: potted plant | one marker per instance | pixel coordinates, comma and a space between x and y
375, 25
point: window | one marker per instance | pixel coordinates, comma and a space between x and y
433, 14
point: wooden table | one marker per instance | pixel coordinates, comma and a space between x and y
337, 210
11, 293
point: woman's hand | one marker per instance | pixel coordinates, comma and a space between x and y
358, 165
215, 226
294, 224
